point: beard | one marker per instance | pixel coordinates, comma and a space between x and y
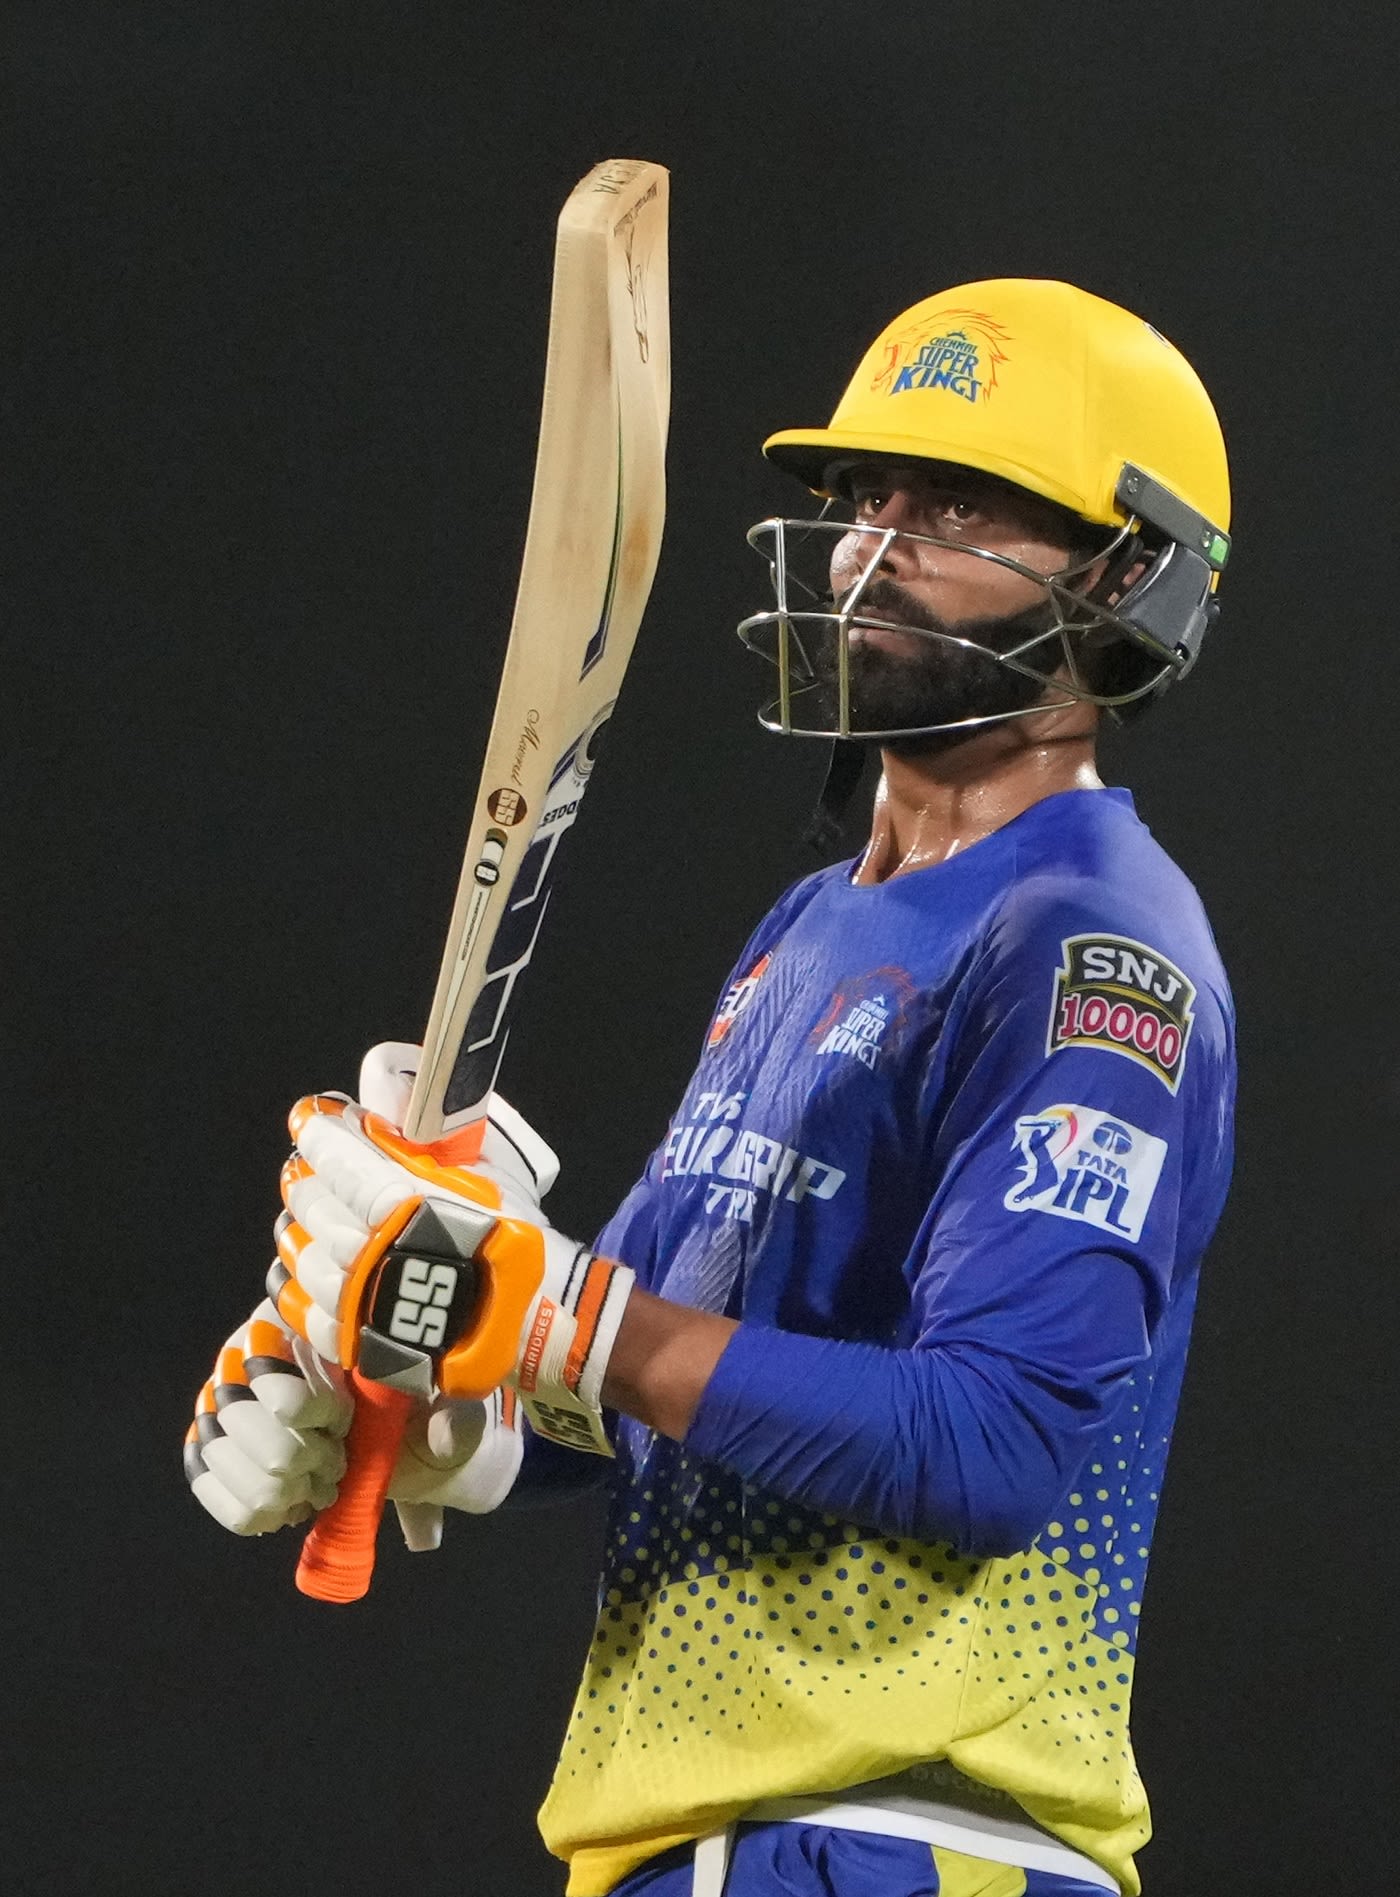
942, 683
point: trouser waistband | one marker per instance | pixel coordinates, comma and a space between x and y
999, 1840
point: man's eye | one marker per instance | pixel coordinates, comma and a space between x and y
870, 502
960, 511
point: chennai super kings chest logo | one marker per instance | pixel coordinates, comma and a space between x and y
961, 356
865, 1018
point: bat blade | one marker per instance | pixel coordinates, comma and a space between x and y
596, 516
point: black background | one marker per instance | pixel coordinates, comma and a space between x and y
279, 282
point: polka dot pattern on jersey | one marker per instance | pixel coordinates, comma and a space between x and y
746, 1646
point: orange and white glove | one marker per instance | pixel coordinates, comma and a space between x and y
512, 1152
265, 1448
425, 1273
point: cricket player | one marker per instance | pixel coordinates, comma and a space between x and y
884, 1346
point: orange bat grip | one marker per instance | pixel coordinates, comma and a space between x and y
337, 1557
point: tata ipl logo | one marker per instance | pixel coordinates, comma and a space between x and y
962, 356
1082, 1163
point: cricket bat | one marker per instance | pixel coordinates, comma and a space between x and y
591, 547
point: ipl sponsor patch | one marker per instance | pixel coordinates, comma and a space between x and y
1082, 1163
1120, 994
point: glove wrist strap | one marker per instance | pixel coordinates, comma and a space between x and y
567, 1342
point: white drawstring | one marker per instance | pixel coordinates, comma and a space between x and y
712, 1863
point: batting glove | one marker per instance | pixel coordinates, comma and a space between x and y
397, 1264
512, 1152
265, 1449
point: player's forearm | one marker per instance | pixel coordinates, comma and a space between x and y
664, 1356
895, 1440
950, 1444
848, 1428
966, 1439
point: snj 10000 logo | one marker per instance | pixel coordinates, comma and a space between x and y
1115, 993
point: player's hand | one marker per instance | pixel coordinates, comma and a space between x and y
463, 1455
265, 1447
512, 1152
448, 1265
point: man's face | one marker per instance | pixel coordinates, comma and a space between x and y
901, 680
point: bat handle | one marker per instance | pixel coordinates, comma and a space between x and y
337, 1557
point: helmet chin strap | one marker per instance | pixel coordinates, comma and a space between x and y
847, 764
844, 770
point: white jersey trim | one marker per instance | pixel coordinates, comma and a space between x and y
999, 1840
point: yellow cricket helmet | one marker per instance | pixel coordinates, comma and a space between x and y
1038, 382
1063, 393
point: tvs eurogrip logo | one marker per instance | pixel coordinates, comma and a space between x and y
956, 350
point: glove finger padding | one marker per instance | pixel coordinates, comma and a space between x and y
315, 1396
516, 1151
368, 1184
387, 1074
311, 1202
265, 1446
461, 1455
266, 1494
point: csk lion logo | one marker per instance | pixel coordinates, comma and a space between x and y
962, 356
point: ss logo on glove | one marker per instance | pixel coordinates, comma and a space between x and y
425, 1294
426, 1288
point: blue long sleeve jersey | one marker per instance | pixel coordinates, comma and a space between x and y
951, 1155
